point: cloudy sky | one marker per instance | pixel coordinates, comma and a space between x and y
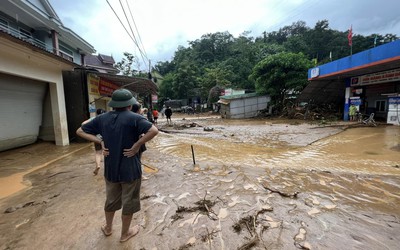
160, 26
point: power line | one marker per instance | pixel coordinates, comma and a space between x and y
292, 13
123, 26
140, 39
133, 33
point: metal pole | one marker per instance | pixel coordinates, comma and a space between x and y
194, 161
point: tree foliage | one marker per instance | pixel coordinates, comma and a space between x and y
281, 74
222, 60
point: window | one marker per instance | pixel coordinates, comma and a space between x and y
65, 50
3, 24
24, 33
380, 106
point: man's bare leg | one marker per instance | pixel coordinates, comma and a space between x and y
107, 228
126, 231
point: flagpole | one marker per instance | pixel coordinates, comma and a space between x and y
350, 38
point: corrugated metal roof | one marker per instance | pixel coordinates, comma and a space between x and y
231, 97
35, 48
226, 102
136, 84
96, 62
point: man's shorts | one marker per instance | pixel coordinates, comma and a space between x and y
125, 195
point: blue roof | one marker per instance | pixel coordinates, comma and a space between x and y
381, 54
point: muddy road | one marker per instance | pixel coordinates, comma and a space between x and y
256, 184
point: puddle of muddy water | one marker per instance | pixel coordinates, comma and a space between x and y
363, 150
28, 160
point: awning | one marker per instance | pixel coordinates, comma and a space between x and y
138, 85
329, 91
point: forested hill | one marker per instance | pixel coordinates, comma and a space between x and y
272, 63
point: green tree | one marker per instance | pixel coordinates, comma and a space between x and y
185, 79
166, 87
125, 66
164, 67
279, 74
216, 77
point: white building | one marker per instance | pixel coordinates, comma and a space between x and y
242, 106
35, 48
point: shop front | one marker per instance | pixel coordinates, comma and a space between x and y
100, 91
374, 91
369, 79
393, 116
87, 90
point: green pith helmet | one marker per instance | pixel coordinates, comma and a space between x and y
122, 98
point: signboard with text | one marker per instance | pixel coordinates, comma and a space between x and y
314, 72
375, 78
93, 82
106, 88
355, 101
99, 86
154, 98
394, 100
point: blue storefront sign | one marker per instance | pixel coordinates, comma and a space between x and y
394, 100
355, 101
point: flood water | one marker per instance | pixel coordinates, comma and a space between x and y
306, 186
353, 173
367, 150
15, 164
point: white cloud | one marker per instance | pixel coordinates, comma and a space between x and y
165, 25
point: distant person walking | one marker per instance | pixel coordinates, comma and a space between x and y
155, 115
168, 114
97, 146
120, 130
149, 114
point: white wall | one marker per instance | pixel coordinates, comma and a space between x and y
247, 107
21, 61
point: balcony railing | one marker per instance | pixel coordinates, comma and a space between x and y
66, 56
30, 39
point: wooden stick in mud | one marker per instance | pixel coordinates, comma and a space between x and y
194, 161
152, 168
290, 195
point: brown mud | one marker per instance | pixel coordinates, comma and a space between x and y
256, 184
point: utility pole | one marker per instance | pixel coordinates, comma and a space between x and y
150, 99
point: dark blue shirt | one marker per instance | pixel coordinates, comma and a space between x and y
120, 130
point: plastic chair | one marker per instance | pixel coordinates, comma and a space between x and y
370, 120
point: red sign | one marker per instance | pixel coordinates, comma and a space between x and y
106, 88
154, 98
380, 77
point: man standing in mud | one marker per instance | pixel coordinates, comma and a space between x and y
168, 114
120, 130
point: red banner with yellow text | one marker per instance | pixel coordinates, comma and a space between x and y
106, 88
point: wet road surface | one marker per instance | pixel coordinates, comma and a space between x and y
256, 185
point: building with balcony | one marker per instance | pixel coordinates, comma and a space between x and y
35, 49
